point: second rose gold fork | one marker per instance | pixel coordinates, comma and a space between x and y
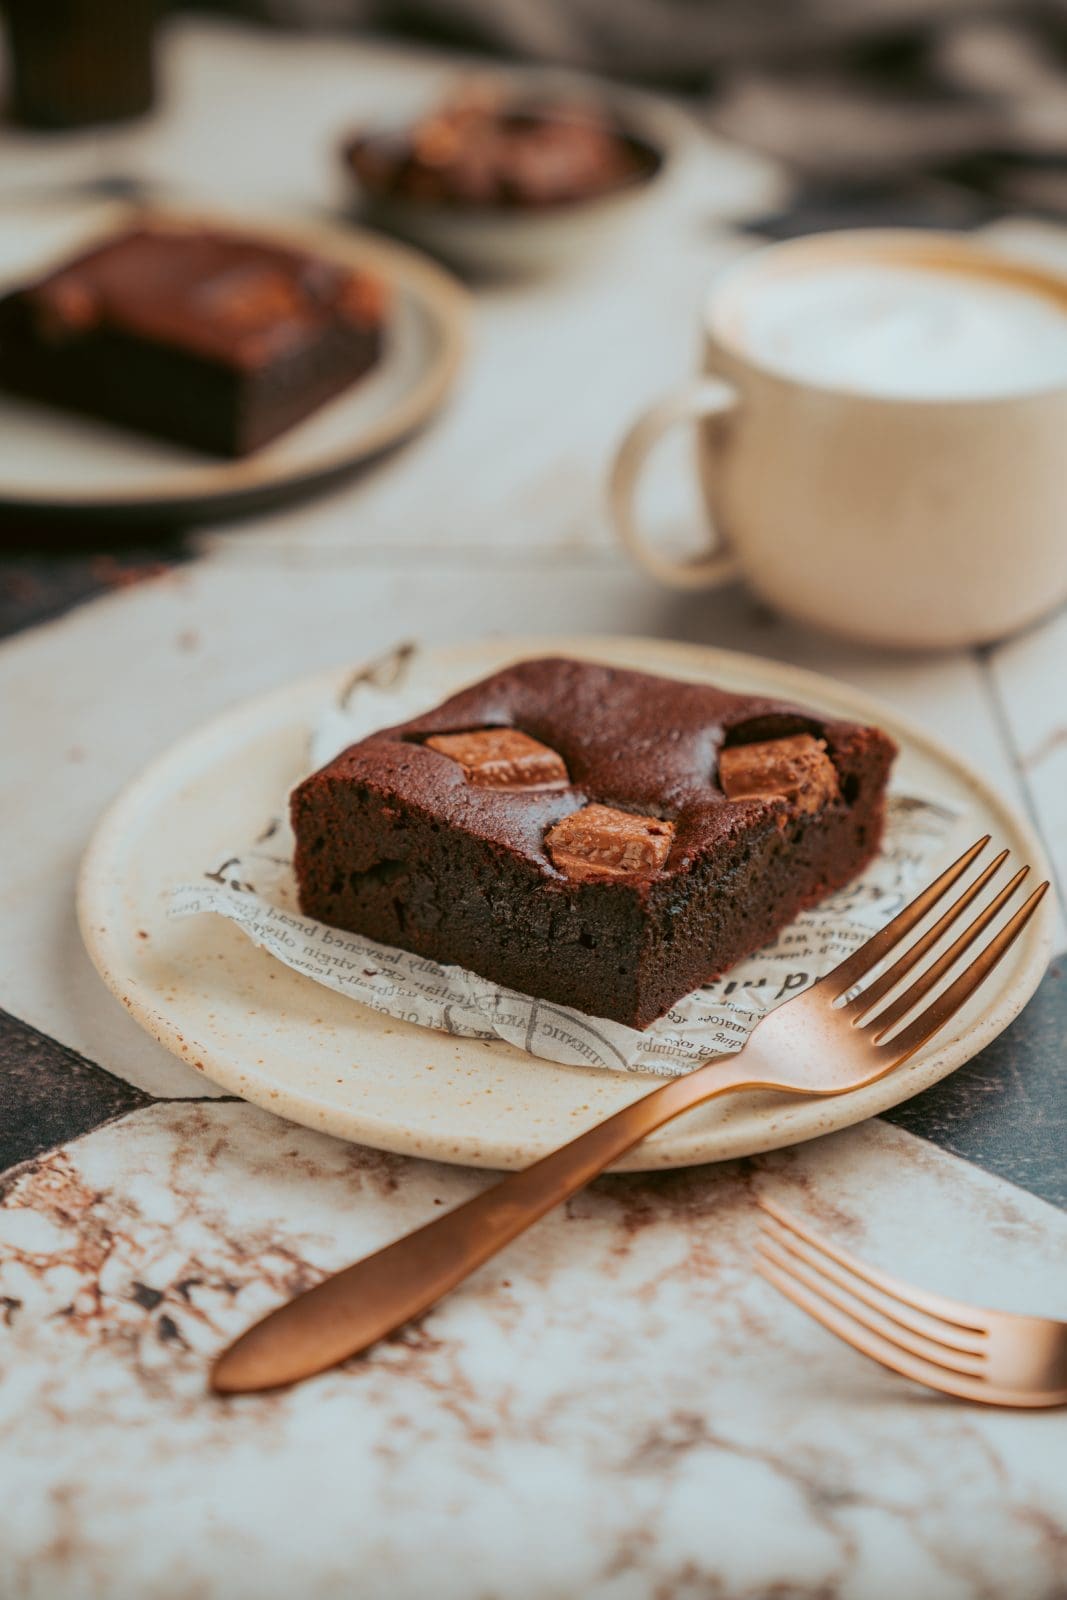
827, 1041
1000, 1358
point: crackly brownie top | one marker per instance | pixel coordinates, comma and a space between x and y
222, 296
645, 746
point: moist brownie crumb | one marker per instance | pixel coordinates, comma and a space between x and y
635, 836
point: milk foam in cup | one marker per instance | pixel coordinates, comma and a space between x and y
906, 331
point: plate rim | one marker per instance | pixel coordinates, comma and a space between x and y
224, 485
98, 894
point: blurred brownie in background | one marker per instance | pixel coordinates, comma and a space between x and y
208, 338
483, 149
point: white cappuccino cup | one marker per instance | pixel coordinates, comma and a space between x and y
882, 438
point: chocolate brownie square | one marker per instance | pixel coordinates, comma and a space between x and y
591, 836
208, 338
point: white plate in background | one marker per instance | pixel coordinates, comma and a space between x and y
55, 462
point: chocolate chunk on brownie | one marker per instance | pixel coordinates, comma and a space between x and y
797, 768
501, 758
600, 842
210, 339
595, 837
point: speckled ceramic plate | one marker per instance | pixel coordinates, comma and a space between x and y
66, 466
285, 1042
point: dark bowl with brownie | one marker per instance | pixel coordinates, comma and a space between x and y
511, 180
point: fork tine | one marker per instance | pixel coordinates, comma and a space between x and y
926, 942
869, 1344
913, 1344
945, 1006
881, 943
965, 1341
962, 1316
898, 1009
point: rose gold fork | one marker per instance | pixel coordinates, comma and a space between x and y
823, 1043
998, 1357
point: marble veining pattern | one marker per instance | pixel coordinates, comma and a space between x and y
615, 1408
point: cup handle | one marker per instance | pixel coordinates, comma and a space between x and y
705, 397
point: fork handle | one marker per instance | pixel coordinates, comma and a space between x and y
352, 1309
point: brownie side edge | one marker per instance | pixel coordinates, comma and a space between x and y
387, 871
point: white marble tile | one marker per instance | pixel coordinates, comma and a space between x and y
616, 1408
